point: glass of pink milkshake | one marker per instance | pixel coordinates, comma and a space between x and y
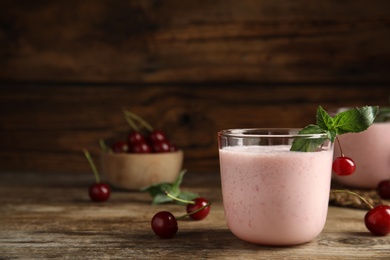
371, 152
271, 195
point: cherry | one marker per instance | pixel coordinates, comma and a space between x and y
98, 191
173, 147
343, 166
383, 189
199, 203
140, 147
197, 209
157, 135
164, 224
120, 147
161, 146
377, 220
135, 137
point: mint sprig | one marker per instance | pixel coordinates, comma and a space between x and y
383, 115
158, 191
350, 121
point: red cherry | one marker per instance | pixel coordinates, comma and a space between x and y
161, 146
199, 203
377, 220
99, 192
164, 224
157, 135
343, 166
383, 189
140, 147
135, 137
120, 147
173, 147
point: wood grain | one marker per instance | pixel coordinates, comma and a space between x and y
50, 216
45, 128
195, 41
68, 68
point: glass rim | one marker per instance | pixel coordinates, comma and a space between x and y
240, 133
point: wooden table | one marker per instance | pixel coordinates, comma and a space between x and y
50, 216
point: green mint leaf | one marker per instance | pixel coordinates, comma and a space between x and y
161, 198
157, 191
307, 145
383, 115
332, 134
323, 119
175, 191
355, 120
349, 121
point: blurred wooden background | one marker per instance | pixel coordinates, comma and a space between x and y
68, 68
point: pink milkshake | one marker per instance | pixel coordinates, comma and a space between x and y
273, 196
371, 152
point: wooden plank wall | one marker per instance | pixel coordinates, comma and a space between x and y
68, 68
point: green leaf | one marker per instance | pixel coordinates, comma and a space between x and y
332, 133
175, 189
349, 121
323, 119
355, 120
305, 144
383, 115
161, 198
157, 191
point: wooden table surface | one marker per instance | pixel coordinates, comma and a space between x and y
50, 216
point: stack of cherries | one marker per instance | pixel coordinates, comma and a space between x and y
142, 138
154, 142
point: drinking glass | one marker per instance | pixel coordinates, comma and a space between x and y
271, 195
370, 151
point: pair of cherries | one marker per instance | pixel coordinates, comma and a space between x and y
377, 219
164, 223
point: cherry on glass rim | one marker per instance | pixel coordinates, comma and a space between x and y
343, 166
377, 220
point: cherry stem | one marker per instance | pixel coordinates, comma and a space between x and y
178, 199
193, 212
104, 146
139, 119
92, 164
341, 150
131, 123
355, 194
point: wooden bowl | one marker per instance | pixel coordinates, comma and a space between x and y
136, 171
